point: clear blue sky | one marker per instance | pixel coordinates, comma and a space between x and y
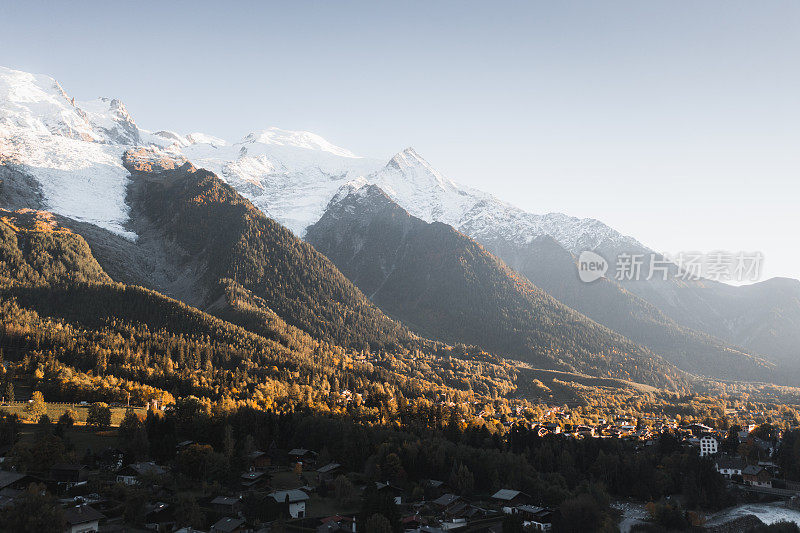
675, 122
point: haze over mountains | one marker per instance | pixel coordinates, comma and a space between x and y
201, 219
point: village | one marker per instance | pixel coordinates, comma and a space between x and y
307, 490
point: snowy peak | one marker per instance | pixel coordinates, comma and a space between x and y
110, 119
36, 104
297, 139
39, 105
411, 166
203, 138
75, 149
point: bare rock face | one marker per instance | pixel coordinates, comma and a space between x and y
151, 160
19, 190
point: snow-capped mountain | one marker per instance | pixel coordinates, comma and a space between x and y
290, 175
74, 150
427, 194
66, 156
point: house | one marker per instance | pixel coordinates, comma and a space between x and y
413, 523
130, 474
9, 496
253, 480
730, 466
434, 488
543, 520
159, 516
69, 474
540, 431
536, 518
184, 444
552, 427
462, 511
765, 447
110, 459
14, 480
699, 429
337, 524
294, 500
756, 476
302, 456
396, 493
229, 525
509, 499
227, 505
328, 472
708, 445
445, 500
258, 460
82, 519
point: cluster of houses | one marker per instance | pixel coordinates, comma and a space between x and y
440, 510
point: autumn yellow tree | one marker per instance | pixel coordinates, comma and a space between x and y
36, 407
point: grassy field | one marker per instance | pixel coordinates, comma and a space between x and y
81, 437
55, 410
560, 394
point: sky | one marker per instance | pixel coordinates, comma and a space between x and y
675, 122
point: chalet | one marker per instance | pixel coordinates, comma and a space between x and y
302, 456
434, 488
227, 505
110, 459
708, 445
444, 501
229, 525
294, 500
82, 519
14, 480
387, 488
69, 474
413, 523
699, 429
540, 431
184, 444
730, 466
552, 427
462, 511
328, 472
253, 480
337, 524
509, 499
159, 516
130, 474
536, 518
9, 496
765, 447
258, 460
756, 476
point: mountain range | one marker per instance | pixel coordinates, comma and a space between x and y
366, 253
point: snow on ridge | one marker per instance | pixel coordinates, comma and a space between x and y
203, 138
74, 150
298, 139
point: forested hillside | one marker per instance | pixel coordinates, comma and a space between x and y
35, 249
230, 239
549, 266
444, 285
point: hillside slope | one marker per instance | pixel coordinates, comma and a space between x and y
446, 286
226, 237
34, 248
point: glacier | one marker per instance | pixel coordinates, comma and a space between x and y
74, 151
